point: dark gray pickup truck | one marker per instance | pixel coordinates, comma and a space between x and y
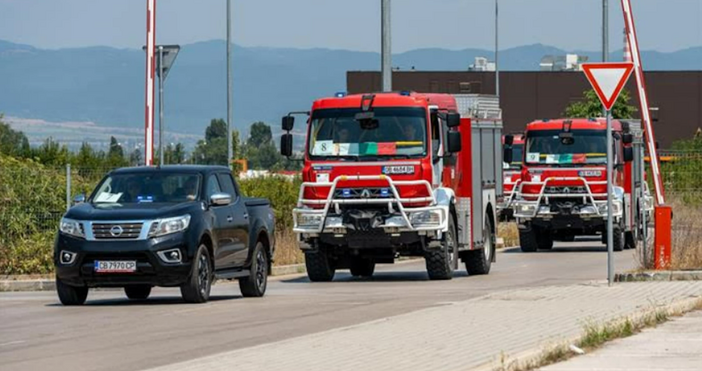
173, 226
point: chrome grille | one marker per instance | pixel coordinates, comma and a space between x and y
121, 231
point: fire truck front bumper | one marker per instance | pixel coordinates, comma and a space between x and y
533, 209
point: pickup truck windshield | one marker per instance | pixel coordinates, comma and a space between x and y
394, 133
141, 188
546, 147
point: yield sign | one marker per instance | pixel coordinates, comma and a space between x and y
608, 79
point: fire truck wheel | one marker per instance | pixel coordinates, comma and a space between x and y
618, 238
629, 240
362, 267
528, 240
320, 268
479, 261
440, 261
545, 240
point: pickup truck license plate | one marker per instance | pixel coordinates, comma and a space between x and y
115, 266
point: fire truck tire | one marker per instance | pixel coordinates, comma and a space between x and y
618, 238
544, 240
362, 267
528, 240
629, 240
319, 266
479, 261
440, 261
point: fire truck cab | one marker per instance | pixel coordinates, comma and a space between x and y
398, 174
562, 192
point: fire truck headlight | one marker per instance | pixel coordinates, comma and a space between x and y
426, 218
526, 209
310, 220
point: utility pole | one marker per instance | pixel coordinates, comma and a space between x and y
497, 52
229, 84
386, 49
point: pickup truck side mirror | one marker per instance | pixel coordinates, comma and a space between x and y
453, 119
507, 155
628, 154
78, 199
454, 142
221, 199
286, 145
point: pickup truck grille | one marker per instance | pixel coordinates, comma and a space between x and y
122, 231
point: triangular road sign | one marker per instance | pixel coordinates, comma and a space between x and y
608, 79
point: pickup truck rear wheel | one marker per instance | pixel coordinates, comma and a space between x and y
138, 292
254, 285
320, 268
479, 261
197, 288
440, 261
362, 267
71, 295
528, 240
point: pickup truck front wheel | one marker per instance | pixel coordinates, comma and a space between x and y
254, 285
197, 288
320, 267
71, 295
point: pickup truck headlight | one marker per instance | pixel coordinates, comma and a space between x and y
426, 218
72, 228
166, 226
310, 220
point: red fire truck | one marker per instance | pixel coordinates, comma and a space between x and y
563, 188
511, 174
398, 174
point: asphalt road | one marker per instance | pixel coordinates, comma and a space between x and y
113, 333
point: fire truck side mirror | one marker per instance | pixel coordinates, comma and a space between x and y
454, 142
507, 155
509, 139
627, 138
288, 123
628, 154
286, 145
453, 119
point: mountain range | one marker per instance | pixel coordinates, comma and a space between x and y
105, 85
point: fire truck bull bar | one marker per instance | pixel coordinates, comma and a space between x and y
532, 207
314, 221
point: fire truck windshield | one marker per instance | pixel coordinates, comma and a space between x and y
397, 132
547, 147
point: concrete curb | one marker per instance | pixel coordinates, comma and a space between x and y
46, 282
532, 358
695, 275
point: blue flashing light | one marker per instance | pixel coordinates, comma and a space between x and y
346, 192
405, 93
384, 192
340, 94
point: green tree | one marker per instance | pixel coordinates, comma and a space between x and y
213, 149
52, 153
13, 143
591, 106
115, 155
135, 158
260, 134
260, 150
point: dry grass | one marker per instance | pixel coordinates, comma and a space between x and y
686, 237
509, 233
286, 249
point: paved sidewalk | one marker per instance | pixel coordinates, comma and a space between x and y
675, 345
477, 333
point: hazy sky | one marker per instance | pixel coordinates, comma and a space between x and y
663, 25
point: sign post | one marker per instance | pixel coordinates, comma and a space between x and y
150, 71
608, 79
